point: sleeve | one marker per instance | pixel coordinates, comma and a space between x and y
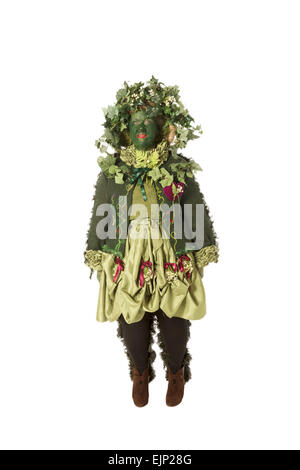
209, 252
93, 252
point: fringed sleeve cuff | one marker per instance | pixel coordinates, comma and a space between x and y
207, 254
93, 259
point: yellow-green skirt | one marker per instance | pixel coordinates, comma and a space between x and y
145, 283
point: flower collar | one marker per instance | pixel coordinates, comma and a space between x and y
145, 158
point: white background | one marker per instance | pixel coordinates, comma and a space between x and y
64, 376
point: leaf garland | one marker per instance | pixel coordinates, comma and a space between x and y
160, 100
122, 173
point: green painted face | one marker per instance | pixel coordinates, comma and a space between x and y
143, 130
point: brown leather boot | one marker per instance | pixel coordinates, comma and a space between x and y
140, 393
175, 387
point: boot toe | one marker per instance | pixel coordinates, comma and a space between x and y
175, 390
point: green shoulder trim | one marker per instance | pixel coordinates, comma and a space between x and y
93, 259
180, 167
164, 166
207, 254
112, 167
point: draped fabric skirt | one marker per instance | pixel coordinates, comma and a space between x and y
148, 278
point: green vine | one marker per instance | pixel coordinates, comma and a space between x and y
123, 173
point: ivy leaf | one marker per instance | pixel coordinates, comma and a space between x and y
194, 166
181, 178
112, 111
184, 134
174, 152
166, 182
124, 169
155, 174
175, 166
168, 178
113, 169
165, 172
106, 162
198, 128
121, 93
119, 178
103, 148
108, 134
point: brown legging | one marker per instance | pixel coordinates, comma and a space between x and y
174, 332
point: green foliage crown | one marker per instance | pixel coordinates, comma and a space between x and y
160, 101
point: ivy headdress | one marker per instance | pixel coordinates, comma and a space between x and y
161, 102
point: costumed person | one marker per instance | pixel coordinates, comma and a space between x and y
150, 233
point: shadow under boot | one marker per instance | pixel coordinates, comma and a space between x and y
140, 390
175, 390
